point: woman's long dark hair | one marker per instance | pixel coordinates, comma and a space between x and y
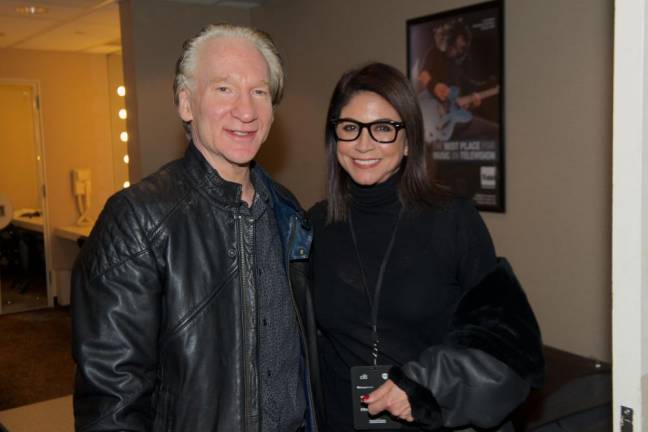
416, 188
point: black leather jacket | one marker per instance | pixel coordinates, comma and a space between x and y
160, 305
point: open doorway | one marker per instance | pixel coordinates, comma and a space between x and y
69, 53
23, 248
74, 66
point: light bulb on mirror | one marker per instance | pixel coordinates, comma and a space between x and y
123, 114
121, 91
123, 136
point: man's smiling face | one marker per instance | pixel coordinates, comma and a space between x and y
229, 104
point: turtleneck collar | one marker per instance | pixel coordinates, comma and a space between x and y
376, 196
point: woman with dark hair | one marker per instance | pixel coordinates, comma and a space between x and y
419, 324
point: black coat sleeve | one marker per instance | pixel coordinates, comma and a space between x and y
492, 355
115, 320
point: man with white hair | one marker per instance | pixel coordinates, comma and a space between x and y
184, 306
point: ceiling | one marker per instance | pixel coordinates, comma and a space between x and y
87, 26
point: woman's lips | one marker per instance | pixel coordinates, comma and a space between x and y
366, 163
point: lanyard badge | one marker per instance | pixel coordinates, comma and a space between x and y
365, 379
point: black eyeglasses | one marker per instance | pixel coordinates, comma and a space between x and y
382, 131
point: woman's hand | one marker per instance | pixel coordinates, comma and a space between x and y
389, 397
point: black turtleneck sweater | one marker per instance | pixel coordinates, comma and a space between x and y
439, 253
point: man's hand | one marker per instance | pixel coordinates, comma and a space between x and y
389, 397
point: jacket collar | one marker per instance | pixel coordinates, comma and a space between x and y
228, 194
206, 178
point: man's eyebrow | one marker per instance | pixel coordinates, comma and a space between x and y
227, 79
217, 79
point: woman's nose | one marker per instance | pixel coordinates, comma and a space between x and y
364, 142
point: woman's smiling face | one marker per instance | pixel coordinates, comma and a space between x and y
369, 162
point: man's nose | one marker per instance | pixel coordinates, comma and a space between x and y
244, 108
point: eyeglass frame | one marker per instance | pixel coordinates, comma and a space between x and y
396, 124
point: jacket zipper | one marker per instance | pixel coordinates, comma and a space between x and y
246, 370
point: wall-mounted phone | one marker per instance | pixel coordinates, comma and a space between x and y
81, 190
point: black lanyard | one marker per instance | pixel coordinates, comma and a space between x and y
373, 303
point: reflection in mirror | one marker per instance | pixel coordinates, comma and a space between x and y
23, 281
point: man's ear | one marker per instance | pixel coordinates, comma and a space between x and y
184, 105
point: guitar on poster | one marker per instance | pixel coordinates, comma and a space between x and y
441, 117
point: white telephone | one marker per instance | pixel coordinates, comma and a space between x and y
81, 190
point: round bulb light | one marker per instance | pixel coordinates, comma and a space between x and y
30, 10
121, 91
126, 184
123, 136
123, 114
126, 159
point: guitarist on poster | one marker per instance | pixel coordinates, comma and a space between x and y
450, 94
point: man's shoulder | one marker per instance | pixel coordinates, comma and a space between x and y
145, 203
285, 193
130, 218
282, 195
165, 183
155, 194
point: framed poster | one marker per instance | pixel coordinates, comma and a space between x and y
455, 61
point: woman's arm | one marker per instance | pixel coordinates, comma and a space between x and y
492, 352
491, 357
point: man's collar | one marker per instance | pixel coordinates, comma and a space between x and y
259, 184
208, 179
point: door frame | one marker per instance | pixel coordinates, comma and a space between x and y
630, 217
37, 120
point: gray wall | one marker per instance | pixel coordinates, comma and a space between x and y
556, 230
152, 35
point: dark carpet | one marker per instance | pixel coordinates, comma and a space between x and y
35, 359
22, 292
